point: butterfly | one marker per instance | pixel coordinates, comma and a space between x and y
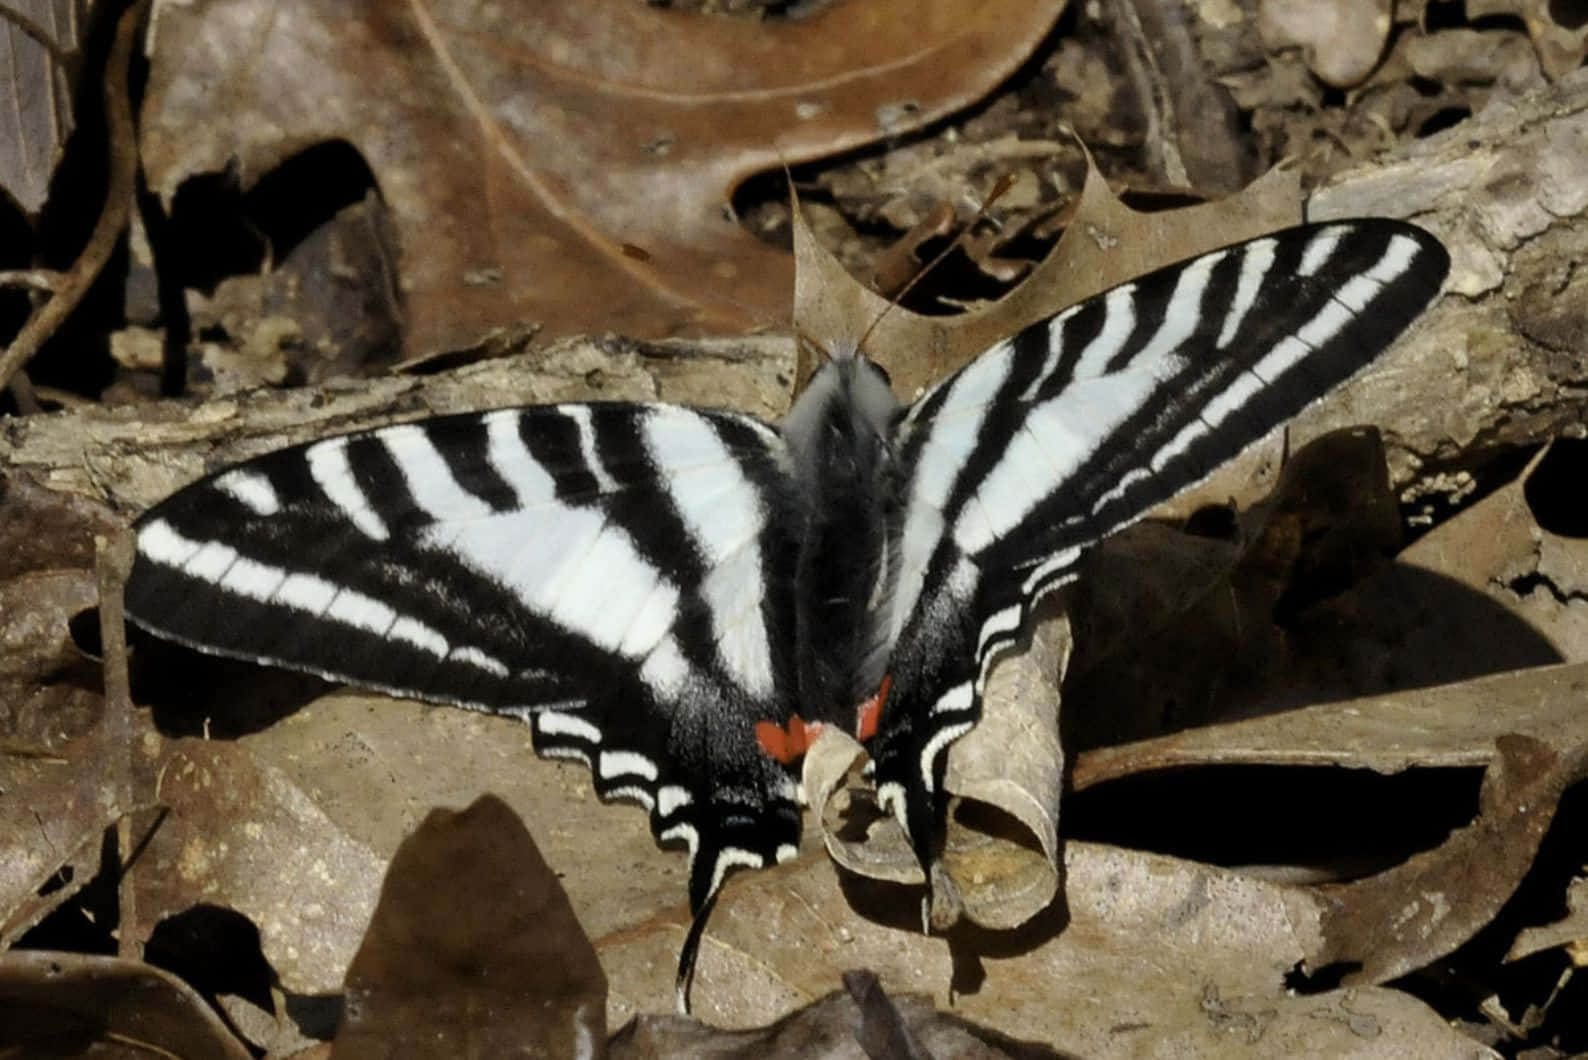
676, 597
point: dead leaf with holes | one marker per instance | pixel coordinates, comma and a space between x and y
1498, 548
1105, 244
523, 148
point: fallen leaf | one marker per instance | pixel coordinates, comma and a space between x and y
863, 1023
238, 833
532, 142
1570, 930
1447, 725
1386, 925
54, 810
66, 1004
1497, 547
1182, 627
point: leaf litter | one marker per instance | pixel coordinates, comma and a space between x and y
1147, 954
655, 117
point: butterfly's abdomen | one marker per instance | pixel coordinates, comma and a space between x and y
838, 434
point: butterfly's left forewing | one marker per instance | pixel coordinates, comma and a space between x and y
1078, 425
618, 575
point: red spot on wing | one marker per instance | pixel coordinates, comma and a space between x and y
786, 743
869, 714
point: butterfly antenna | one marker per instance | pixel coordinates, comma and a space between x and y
1004, 183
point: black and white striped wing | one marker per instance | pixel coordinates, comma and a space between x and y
618, 575
1079, 425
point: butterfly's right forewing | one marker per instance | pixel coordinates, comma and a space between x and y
1078, 425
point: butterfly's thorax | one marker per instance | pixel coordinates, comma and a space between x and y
838, 436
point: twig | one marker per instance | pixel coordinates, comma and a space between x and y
47, 280
113, 561
23, 394
112, 219
40, 35
1163, 145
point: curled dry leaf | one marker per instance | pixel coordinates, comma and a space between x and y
530, 143
499, 966
67, 1004
1000, 856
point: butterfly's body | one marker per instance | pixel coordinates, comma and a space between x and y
654, 587
839, 439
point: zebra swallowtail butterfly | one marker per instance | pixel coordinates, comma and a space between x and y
669, 594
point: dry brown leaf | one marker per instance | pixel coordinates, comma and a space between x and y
1105, 244
68, 1004
862, 1024
54, 809
521, 146
1526, 727
779, 938
46, 528
56, 797
473, 950
35, 641
1570, 930
239, 833
1181, 628
1389, 924
1448, 725
1158, 957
